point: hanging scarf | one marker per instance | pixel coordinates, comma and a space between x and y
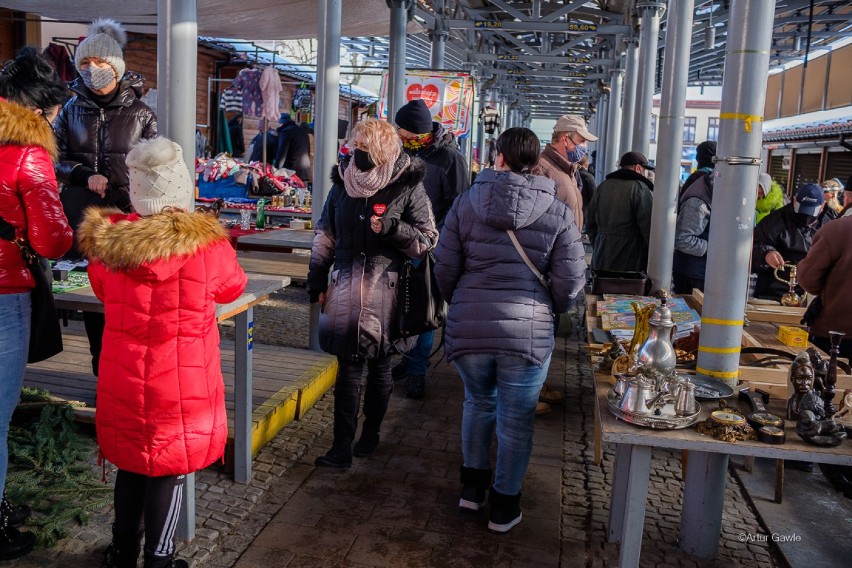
360, 184
418, 142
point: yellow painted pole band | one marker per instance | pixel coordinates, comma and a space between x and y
714, 321
720, 349
718, 374
746, 118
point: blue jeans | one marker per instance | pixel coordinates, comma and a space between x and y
15, 310
417, 360
500, 393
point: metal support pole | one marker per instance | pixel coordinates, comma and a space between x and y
177, 48
613, 131
737, 168
631, 77
651, 10
396, 56
480, 129
602, 158
670, 140
327, 104
438, 37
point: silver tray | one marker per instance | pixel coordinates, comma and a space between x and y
667, 420
710, 389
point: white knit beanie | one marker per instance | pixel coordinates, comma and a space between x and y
106, 41
159, 177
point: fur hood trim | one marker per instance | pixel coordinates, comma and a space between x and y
126, 242
415, 173
22, 127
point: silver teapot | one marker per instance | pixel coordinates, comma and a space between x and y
637, 395
657, 352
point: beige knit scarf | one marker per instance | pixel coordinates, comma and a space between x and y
360, 184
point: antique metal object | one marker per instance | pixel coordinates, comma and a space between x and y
790, 298
830, 379
710, 389
771, 435
759, 416
654, 401
657, 351
615, 351
726, 425
807, 407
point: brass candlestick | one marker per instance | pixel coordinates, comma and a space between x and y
831, 376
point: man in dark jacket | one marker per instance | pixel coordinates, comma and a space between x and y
692, 231
447, 176
619, 219
785, 236
294, 148
94, 132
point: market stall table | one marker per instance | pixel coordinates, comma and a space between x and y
283, 240
703, 494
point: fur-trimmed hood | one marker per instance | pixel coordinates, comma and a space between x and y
412, 176
20, 126
148, 246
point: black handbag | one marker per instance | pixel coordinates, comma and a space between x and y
45, 332
420, 305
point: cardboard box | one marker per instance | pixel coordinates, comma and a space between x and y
300, 224
792, 336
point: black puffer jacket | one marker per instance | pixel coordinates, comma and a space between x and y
95, 139
357, 318
447, 173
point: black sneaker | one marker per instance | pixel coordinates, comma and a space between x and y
14, 543
472, 498
415, 386
335, 458
400, 370
505, 511
366, 445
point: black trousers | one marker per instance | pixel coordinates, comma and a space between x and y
684, 284
149, 504
94, 323
347, 397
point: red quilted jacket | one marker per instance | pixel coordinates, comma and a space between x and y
29, 198
161, 399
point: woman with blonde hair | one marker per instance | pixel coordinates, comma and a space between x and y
377, 215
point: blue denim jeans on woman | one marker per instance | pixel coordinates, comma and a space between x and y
15, 312
500, 393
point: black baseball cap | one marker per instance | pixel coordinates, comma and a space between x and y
635, 159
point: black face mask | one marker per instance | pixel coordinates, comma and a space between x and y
803, 220
363, 161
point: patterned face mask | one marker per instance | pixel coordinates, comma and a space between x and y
417, 142
97, 78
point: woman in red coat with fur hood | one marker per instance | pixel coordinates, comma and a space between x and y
161, 400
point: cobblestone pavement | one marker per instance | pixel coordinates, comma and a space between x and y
399, 507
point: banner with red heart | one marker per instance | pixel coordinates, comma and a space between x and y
429, 93
379, 208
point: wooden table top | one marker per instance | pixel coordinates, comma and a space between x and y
259, 288
283, 238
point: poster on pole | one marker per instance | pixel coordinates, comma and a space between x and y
448, 94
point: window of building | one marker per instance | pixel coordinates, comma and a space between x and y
713, 128
653, 128
689, 130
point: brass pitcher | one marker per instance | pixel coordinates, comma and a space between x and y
790, 298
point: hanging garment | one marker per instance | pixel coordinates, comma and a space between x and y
200, 144
270, 87
235, 127
231, 100
248, 82
58, 56
490, 119
223, 135
303, 99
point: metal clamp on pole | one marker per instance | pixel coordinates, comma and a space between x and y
738, 161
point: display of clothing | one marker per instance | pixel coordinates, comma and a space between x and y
270, 86
490, 119
231, 100
248, 83
60, 59
235, 129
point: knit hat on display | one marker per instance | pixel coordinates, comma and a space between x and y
705, 153
159, 177
106, 41
415, 117
809, 199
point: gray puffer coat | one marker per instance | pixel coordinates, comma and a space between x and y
496, 303
358, 318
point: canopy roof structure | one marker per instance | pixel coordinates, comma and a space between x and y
546, 56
